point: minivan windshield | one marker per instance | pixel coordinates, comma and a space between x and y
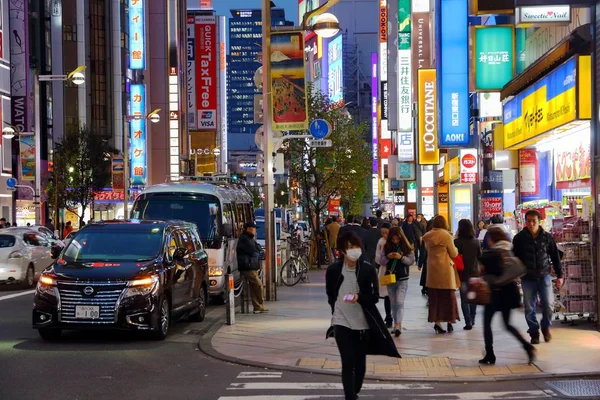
141, 244
203, 210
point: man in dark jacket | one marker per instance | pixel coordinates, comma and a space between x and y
372, 236
408, 227
248, 258
537, 250
353, 225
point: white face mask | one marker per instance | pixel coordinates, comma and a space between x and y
353, 254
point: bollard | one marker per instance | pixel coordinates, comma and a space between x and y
230, 304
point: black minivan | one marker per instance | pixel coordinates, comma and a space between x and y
137, 275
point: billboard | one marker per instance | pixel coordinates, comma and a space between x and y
137, 33
191, 73
494, 58
429, 153
206, 72
421, 40
335, 77
374, 124
288, 81
454, 73
404, 67
383, 70
137, 129
469, 166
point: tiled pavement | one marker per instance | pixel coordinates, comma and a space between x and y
292, 335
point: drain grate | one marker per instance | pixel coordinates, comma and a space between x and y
578, 388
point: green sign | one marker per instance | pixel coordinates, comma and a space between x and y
494, 56
403, 24
412, 185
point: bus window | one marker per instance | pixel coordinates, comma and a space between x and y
229, 217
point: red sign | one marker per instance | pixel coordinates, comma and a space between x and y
468, 166
469, 177
110, 195
469, 161
385, 148
427, 191
490, 206
206, 72
334, 205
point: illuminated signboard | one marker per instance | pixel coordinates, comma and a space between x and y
137, 48
206, 72
336, 71
374, 111
138, 172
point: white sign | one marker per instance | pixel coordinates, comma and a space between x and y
468, 166
544, 14
404, 91
320, 143
406, 146
420, 6
490, 105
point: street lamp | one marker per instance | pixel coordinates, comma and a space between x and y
153, 117
325, 26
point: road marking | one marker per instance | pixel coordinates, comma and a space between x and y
517, 395
275, 397
12, 296
259, 375
322, 386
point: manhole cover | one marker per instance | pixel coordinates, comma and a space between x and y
579, 388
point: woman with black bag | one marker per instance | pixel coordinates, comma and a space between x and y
501, 271
353, 292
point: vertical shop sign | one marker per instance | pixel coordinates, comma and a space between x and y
529, 170
392, 77
288, 83
383, 70
20, 102
429, 153
138, 157
191, 73
468, 166
335, 78
491, 204
27, 153
454, 73
374, 124
206, 72
118, 181
404, 68
137, 33
494, 56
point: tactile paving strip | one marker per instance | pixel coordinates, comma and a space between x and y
577, 388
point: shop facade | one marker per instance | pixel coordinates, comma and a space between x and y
549, 124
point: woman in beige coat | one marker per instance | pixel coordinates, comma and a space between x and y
442, 277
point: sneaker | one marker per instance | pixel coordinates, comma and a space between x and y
261, 311
547, 335
535, 338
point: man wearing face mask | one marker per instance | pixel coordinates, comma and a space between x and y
248, 257
352, 293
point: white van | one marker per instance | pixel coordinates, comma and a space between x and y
219, 206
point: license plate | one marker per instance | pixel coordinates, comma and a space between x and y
87, 312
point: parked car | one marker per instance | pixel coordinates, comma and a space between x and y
67, 239
135, 275
50, 236
24, 254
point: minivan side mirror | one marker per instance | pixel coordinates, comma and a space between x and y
179, 254
227, 230
55, 251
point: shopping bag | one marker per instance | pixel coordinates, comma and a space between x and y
478, 292
459, 263
388, 279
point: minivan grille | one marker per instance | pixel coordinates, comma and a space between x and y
106, 296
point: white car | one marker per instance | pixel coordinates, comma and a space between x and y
24, 254
51, 236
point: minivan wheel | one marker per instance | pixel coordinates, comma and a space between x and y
164, 319
49, 334
199, 315
30, 277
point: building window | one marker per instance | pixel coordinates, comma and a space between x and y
70, 33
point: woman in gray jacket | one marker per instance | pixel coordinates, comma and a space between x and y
398, 256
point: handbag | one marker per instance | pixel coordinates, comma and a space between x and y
459, 263
387, 279
478, 292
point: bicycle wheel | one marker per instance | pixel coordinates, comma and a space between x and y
304, 271
290, 272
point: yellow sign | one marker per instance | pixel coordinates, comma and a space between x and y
451, 170
429, 152
549, 103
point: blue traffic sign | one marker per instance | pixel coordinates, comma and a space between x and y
320, 129
11, 182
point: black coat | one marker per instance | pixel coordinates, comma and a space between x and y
370, 241
248, 253
471, 251
506, 296
410, 231
380, 340
537, 254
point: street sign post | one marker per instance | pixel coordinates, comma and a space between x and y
11, 183
319, 128
50, 78
320, 143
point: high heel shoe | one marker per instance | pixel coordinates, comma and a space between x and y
438, 329
489, 359
450, 327
530, 353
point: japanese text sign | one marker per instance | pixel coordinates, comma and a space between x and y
494, 56
137, 33
137, 153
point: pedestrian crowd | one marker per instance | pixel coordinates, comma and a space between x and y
484, 264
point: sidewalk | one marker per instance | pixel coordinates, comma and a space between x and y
292, 336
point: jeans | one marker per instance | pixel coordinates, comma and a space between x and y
256, 289
531, 290
397, 293
469, 310
352, 345
488, 337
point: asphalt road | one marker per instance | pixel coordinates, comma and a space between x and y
118, 365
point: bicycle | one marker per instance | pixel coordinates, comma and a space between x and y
295, 268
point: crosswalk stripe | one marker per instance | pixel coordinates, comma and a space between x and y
284, 397
259, 375
323, 386
519, 395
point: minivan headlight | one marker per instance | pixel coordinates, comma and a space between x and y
142, 286
46, 285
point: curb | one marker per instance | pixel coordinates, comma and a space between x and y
205, 346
